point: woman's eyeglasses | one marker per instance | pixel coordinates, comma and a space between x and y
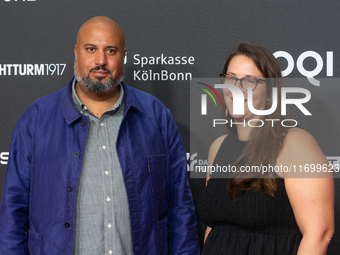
246, 82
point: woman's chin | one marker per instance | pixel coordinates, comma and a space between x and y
237, 117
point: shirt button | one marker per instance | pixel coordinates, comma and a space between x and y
108, 199
106, 172
69, 188
110, 252
102, 124
104, 147
83, 123
109, 225
77, 154
67, 224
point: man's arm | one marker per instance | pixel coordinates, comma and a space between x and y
15, 198
182, 225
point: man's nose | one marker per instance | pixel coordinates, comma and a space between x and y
100, 59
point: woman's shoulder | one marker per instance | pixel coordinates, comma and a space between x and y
300, 149
298, 134
215, 146
298, 140
217, 143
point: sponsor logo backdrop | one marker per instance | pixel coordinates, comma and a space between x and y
169, 43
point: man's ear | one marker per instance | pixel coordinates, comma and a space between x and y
75, 51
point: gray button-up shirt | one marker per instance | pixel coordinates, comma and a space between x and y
102, 224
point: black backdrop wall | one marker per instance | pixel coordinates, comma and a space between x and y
38, 36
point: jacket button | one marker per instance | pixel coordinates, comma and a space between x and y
77, 154
83, 123
67, 224
69, 188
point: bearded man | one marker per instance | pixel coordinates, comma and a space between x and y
97, 167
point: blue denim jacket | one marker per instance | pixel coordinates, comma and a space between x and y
37, 211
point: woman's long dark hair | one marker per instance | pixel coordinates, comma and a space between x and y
266, 142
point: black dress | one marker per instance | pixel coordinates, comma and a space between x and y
254, 224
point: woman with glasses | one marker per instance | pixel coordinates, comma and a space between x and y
264, 213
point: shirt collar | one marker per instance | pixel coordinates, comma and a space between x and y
71, 113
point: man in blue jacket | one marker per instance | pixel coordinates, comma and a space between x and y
97, 167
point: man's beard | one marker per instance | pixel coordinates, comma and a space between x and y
96, 87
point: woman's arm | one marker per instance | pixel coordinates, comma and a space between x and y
215, 146
207, 231
211, 157
312, 199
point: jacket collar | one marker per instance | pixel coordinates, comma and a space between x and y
131, 100
71, 114
68, 109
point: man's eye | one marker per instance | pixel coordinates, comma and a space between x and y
111, 51
90, 49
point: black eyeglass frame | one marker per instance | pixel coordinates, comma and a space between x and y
237, 79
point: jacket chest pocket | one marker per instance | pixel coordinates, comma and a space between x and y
157, 170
